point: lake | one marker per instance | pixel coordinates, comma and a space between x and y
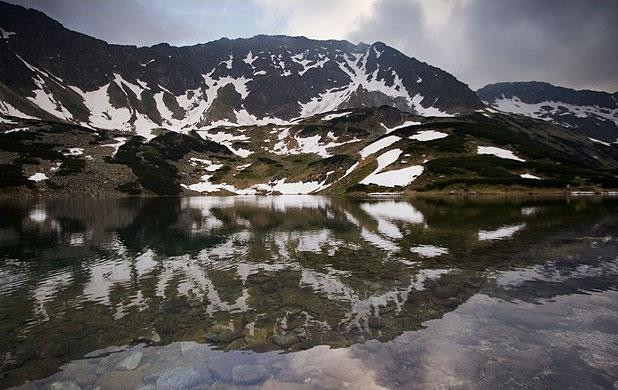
308, 292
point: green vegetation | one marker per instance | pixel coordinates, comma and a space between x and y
153, 171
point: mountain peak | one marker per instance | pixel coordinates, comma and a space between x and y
59, 74
592, 112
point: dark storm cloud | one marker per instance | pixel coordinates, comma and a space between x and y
567, 42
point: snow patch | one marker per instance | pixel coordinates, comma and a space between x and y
546, 110
208, 165
227, 140
74, 152
6, 34
337, 115
600, 142
117, 145
398, 177
427, 111
249, 59
501, 233
378, 145
429, 250
228, 62
206, 186
8, 109
498, 152
37, 177
428, 135
291, 188
401, 126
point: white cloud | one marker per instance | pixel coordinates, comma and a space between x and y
326, 19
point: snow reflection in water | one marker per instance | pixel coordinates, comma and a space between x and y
390, 293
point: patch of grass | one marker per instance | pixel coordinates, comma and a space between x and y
220, 173
485, 166
174, 146
336, 160
269, 161
153, 172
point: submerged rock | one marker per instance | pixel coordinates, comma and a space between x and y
120, 380
182, 378
131, 362
67, 385
249, 374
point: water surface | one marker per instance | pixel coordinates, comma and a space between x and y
308, 292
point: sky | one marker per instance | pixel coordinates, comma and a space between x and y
573, 43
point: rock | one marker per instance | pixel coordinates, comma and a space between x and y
149, 338
131, 362
86, 380
285, 340
186, 348
66, 385
181, 378
105, 351
148, 387
249, 374
272, 384
154, 337
74, 371
120, 380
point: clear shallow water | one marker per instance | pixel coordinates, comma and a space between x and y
308, 292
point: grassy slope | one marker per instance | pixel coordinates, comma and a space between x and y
560, 156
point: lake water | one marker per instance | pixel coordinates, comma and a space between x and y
308, 292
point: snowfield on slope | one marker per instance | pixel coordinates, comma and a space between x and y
397, 177
543, 109
401, 126
378, 145
428, 135
498, 152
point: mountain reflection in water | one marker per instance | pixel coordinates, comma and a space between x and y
386, 293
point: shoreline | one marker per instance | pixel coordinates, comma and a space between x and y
374, 195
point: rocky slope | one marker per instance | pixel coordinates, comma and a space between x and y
350, 151
49, 72
593, 113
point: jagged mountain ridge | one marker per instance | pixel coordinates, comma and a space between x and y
593, 113
50, 72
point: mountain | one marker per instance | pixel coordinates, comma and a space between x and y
353, 151
49, 72
593, 113
269, 115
